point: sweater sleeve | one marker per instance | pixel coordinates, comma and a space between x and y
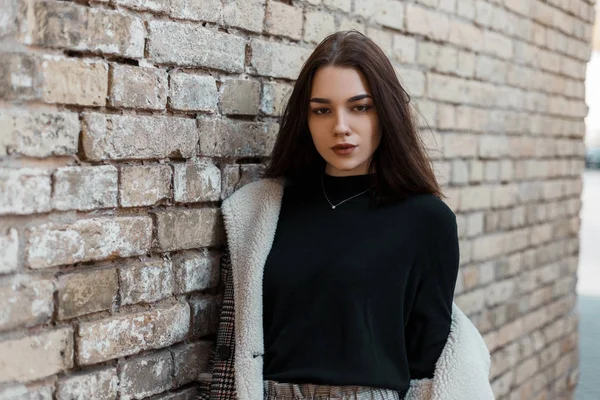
428, 325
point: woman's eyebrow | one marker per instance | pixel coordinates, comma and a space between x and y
350, 100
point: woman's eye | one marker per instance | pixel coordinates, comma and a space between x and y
362, 108
320, 111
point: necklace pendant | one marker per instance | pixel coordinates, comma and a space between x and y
333, 207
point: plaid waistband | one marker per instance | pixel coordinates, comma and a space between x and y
308, 391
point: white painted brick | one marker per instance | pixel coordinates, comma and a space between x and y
144, 185
137, 137
9, 251
99, 384
196, 182
196, 270
318, 25
38, 134
128, 334
475, 198
206, 10
245, 14
466, 35
412, 80
343, 5
460, 172
40, 355
277, 60
145, 282
74, 81
284, 20
25, 301
85, 188
159, 6
85, 240
386, 13
404, 49
426, 22
459, 145
17, 185
497, 44
169, 43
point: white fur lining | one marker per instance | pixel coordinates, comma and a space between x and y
251, 216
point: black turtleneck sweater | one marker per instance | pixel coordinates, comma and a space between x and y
358, 295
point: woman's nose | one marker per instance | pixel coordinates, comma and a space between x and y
341, 125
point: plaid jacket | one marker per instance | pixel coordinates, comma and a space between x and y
250, 216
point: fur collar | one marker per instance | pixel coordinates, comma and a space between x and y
251, 216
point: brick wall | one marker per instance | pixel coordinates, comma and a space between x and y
123, 123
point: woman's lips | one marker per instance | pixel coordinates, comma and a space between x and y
343, 150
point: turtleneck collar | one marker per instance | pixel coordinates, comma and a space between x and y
340, 187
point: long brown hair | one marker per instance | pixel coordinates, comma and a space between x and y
400, 163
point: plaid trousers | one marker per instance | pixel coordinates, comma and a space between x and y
222, 360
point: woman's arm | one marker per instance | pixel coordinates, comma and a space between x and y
428, 325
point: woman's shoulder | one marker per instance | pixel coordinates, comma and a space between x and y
256, 189
430, 211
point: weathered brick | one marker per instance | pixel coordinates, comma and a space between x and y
413, 80
497, 44
236, 176
189, 228
25, 301
146, 5
245, 14
9, 251
86, 293
275, 98
129, 334
205, 315
74, 81
465, 34
317, 25
192, 393
489, 246
344, 5
145, 282
37, 356
86, 240
227, 138
459, 145
471, 302
404, 49
138, 87
277, 60
206, 10
191, 360
19, 75
144, 376
137, 137
38, 134
460, 172
42, 391
196, 270
144, 185
189, 92
426, 22
386, 13
241, 97
85, 188
493, 146
435, 56
197, 181
87, 29
17, 185
283, 20
169, 44
99, 384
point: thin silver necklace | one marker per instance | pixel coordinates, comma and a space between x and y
333, 206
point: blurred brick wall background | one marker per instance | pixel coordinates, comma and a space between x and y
123, 123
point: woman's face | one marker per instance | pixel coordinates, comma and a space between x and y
342, 112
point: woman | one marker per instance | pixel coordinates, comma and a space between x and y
341, 264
